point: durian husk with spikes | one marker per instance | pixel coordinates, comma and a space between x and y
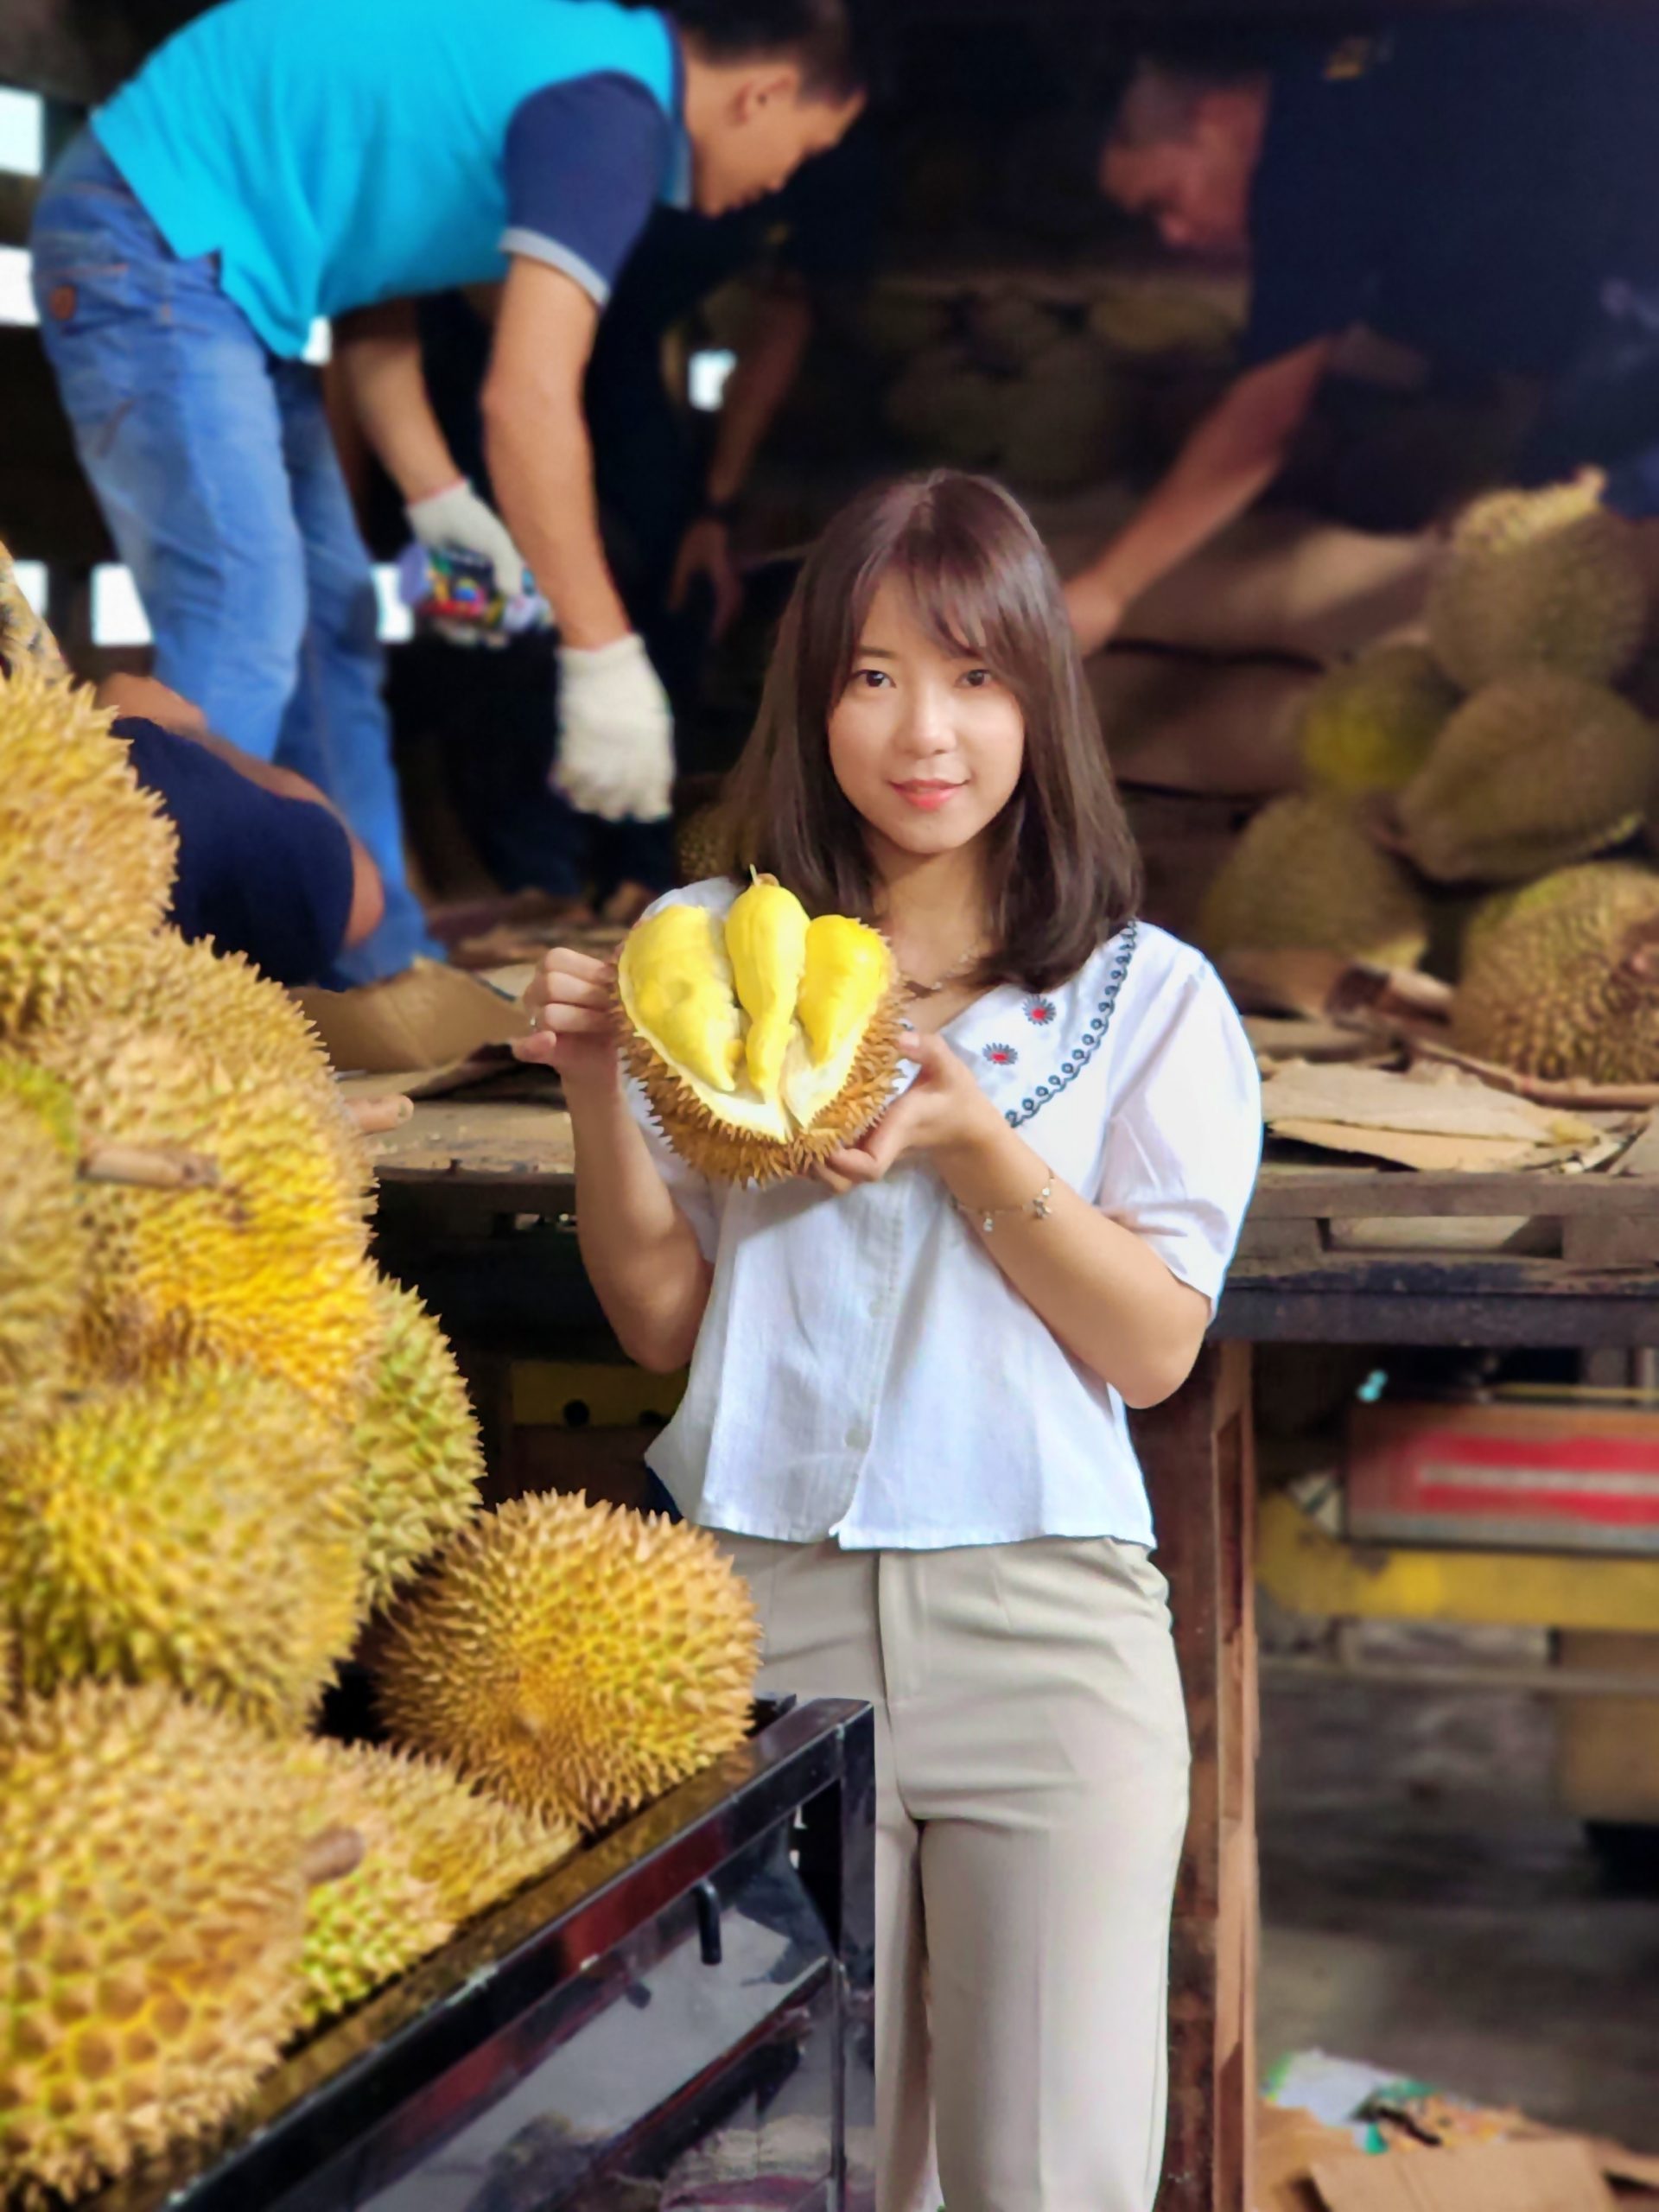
1563, 983
415, 1443
1305, 873
1535, 771
153, 1866
45, 1246
706, 844
202, 1529
1545, 579
87, 855
750, 1141
473, 1849
219, 1004
265, 1267
376, 1921
576, 1660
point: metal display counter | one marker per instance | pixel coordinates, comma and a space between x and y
683, 2006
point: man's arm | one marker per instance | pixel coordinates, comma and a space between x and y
378, 353
1230, 460
535, 438
770, 360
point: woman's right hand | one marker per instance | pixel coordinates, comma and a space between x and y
571, 1001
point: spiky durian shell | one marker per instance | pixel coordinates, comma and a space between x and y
219, 1004
415, 1442
1565, 887
1534, 772
1370, 725
267, 1268
1566, 983
705, 844
472, 1848
1304, 874
1538, 580
86, 855
201, 1527
371, 1924
152, 1873
45, 1248
575, 1659
727, 1154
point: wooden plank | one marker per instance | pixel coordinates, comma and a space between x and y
1578, 1312
1196, 1450
1285, 1192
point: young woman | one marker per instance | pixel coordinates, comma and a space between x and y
905, 1416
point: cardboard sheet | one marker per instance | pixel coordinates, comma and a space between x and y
1543, 2176
431, 1017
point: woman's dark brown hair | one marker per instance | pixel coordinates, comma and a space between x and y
1061, 870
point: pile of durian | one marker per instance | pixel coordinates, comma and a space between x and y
1487, 800
228, 1447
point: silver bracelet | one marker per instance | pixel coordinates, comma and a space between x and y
1037, 1209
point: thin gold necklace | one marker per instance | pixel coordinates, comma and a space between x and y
919, 990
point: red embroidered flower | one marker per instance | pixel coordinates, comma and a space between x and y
1041, 1011
1001, 1056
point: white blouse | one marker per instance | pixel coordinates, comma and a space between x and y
865, 1370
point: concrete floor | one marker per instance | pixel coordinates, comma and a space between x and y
1428, 1908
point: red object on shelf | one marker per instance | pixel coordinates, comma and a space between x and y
1505, 1475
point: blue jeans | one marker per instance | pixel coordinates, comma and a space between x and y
212, 462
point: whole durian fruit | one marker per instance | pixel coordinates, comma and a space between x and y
45, 1249
1538, 580
266, 1268
1305, 875
86, 855
1535, 771
763, 1044
575, 1659
373, 1923
1009, 330
201, 1527
153, 1888
705, 844
1065, 419
1370, 724
415, 1443
898, 321
946, 407
474, 1850
1565, 984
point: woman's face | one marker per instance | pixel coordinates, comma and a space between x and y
927, 746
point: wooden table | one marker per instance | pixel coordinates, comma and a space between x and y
477, 1202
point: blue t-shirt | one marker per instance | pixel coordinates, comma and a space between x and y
1465, 185
336, 153
258, 873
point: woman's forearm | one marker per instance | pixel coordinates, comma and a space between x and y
640, 1250
1107, 1296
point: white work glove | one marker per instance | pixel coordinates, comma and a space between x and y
458, 519
616, 732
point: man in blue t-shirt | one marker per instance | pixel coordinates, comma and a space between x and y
1473, 188
280, 162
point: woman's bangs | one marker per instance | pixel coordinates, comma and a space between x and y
953, 597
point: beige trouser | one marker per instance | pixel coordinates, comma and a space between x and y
1031, 1777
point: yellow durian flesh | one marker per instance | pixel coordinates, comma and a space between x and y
740, 1136
848, 971
766, 933
677, 987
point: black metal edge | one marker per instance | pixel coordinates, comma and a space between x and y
358, 2073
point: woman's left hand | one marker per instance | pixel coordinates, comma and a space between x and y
943, 1110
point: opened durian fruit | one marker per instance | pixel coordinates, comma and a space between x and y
763, 1044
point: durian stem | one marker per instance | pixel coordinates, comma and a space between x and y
330, 1856
153, 1167
373, 1115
